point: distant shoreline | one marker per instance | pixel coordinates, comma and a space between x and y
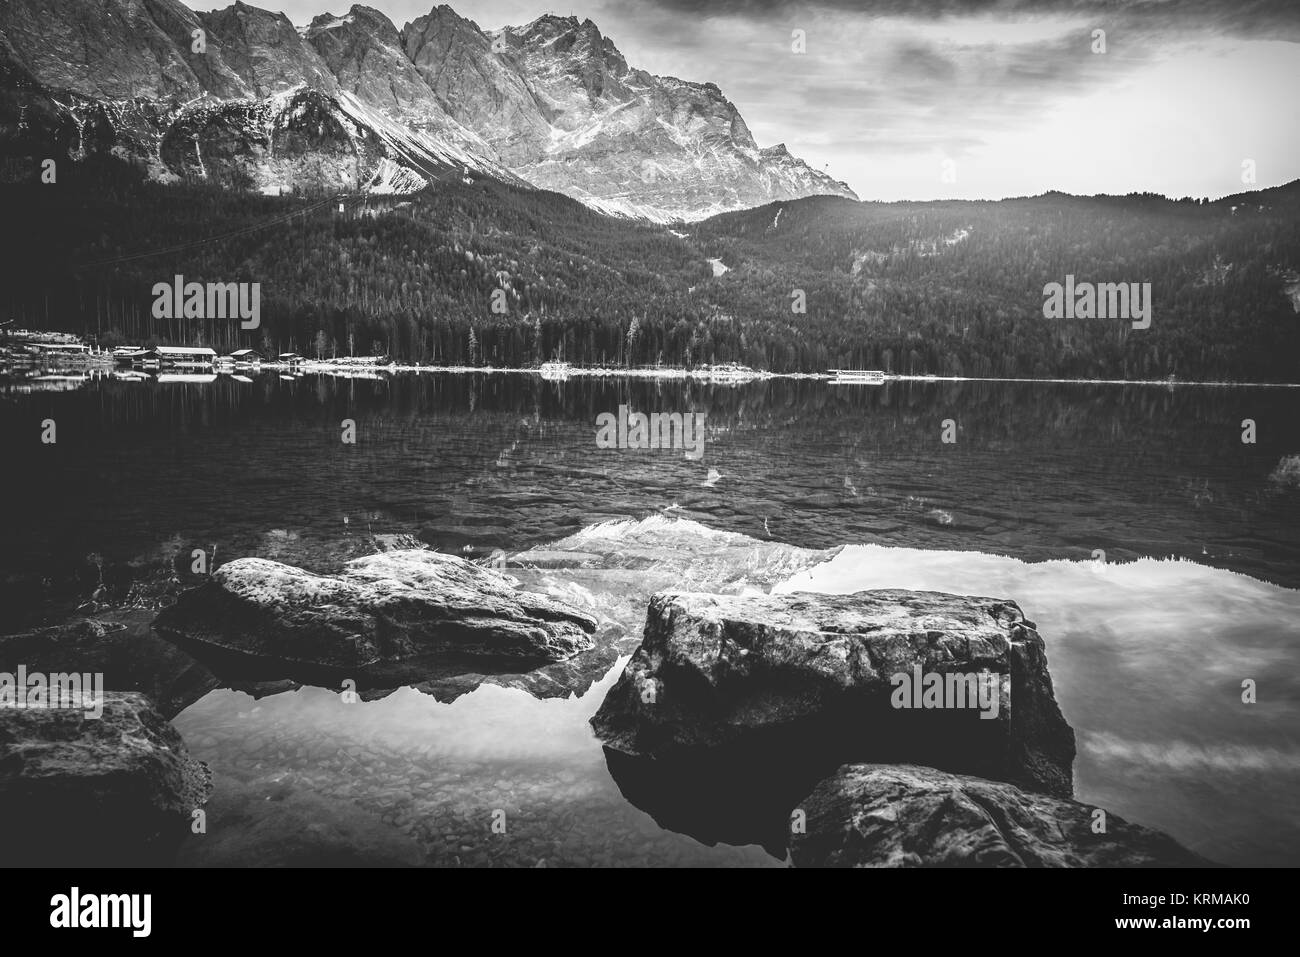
695, 375
667, 373
555, 371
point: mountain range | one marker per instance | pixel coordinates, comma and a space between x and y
445, 200
242, 97
491, 273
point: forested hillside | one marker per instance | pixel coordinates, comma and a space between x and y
956, 288
942, 288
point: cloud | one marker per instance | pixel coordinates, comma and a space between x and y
1240, 18
886, 92
915, 62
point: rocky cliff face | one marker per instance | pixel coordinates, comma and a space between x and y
364, 52
108, 49
630, 142
266, 51
553, 102
475, 85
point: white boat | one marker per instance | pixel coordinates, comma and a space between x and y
556, 371
857, 376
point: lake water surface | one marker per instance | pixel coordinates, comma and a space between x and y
1158, 553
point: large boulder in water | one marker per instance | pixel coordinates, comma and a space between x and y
872, 815
79, 791
403, 615
734, 706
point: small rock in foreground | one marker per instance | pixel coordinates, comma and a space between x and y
77, 791
878, 815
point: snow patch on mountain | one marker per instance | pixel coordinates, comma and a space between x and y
416, 146
333, 23
391, 179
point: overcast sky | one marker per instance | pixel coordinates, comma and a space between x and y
972, 98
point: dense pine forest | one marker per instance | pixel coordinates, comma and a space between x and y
476, 272
956, 288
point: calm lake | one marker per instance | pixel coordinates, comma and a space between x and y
1157, 552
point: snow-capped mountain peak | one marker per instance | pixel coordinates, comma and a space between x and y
553, 103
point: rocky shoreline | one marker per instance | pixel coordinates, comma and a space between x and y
820, 727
